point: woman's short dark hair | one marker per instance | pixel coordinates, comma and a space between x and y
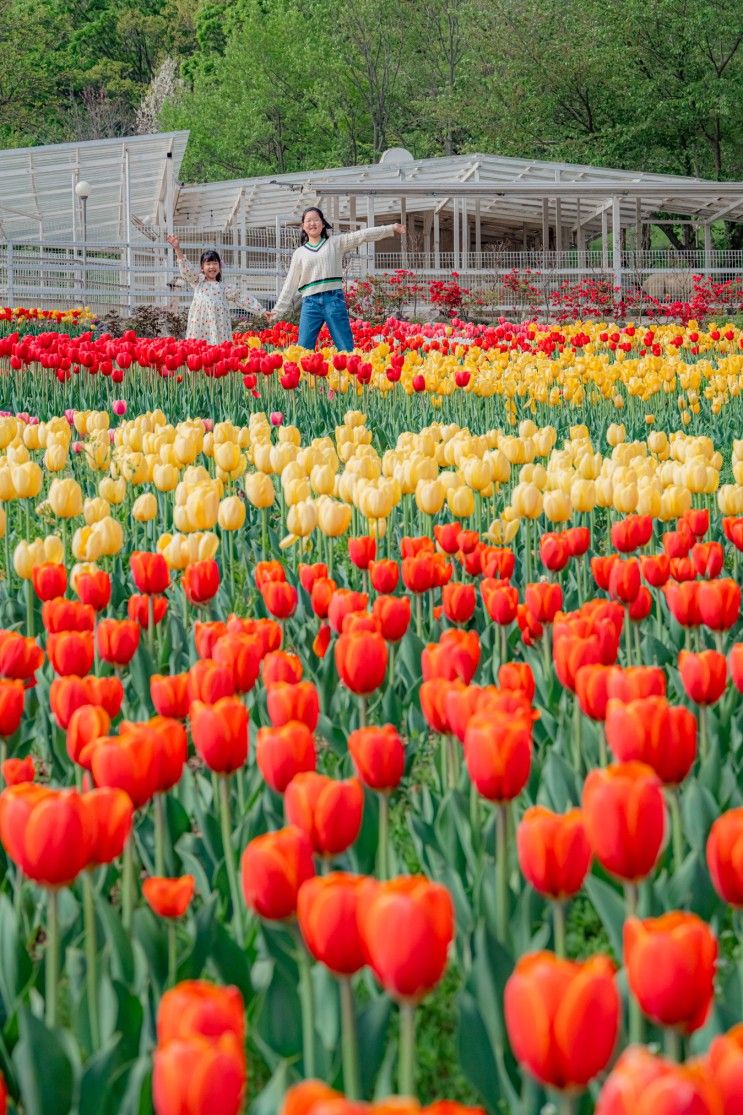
212, 257
326, 225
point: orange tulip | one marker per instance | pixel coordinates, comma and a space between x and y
241, 654
170, 695
327, 910
125, 762
220, 733
553, 851
654, 732
406, 926
280, 665
273, 868
94, 589
562, 1017
341, 603
117, 641
109, 813
704, 675
281, 753
205, 634
138, 610
625, 818
45, 832
362, 551
361, 661
15, 771
725, 856
293, 702
459, 602
169, 898
327, 810
725, 1065
49, 580
150, 572
379, 757
670, 963
301, 1098
497, 751
280, 598
201, 581
393, 615
66, 615
197, 1007
87, 724
12, 696
71, 652
196, 1076
384, 575
644, 1084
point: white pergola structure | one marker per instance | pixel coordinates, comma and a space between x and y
457, 206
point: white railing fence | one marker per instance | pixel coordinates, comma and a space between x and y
57, 274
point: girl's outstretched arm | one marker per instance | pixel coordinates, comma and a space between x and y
246, 301
185, 268
289, 289
348, 240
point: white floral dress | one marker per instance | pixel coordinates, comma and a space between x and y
209, 317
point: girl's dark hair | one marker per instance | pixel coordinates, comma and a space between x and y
212, 257
326, 225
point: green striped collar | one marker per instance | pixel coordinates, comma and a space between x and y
316, 247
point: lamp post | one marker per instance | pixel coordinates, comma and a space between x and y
82, 190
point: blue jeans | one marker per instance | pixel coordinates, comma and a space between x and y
330, 307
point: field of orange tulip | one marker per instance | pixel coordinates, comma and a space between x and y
370, 747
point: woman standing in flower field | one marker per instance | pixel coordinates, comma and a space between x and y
316, 273
209, 315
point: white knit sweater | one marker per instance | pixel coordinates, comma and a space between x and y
317, 270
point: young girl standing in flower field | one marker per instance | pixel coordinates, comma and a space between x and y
316, 273
209, 315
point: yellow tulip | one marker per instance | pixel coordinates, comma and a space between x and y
301, 519
231, 513
259, 489
461, 501
96, 509
527, 501
144, 508
165, 477
55, 457
557, 506
333, 517
109, 534
113, 490
65, 498
28, 479
429, 496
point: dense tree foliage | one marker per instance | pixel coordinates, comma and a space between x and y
274, 85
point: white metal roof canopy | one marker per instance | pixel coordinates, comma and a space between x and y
37, 184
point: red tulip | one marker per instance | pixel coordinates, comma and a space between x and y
273, 867
384, 575
497, 752
719, 603
117, 641
362, 551
670, 963
327, 910
194, 1076
553, 850
12, 696
15, 771
544, 600
45, 832
407, 926
71, 652
94, 588
150, 572
379, 756
393, 615
459, 602
361, 662
725, 856
562, 1017
704, 675
49, 580
327, 810
281, 753
652, 731
625, 818
201, 581
287, 702
169, 898
280, 598
170, 695
644, 1084
220, 733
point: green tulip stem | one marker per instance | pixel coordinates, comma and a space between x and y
52, 956
677, 832
264, 530
558, 921
29, 608
127, 885
307, 1002
577, 735
91, 978
566, 1104
672, 1044
229, 859
383, 842
151, 629
627, 637
362, 711
406, 1071
603, 753
418, 615
172, 952
635, 1015
349, 1041
703, 734
159, 806
452, 745
501, 870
